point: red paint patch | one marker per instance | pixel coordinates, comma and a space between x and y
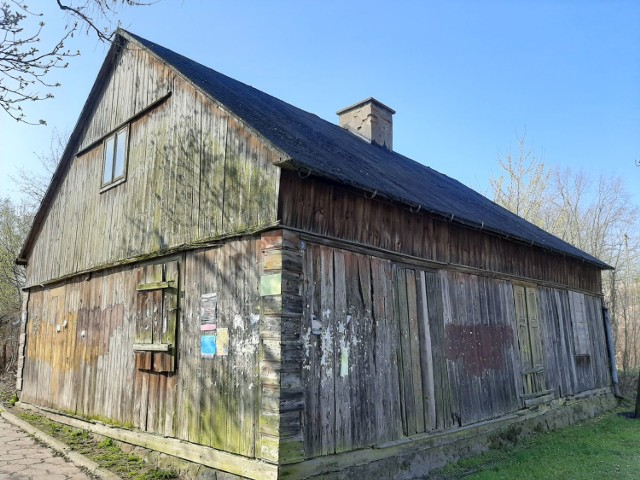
479, 347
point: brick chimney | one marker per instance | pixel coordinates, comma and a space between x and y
371, 120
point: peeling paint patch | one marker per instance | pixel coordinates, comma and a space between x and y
316, 325
327, 350
238, 324
306, 341
344, 358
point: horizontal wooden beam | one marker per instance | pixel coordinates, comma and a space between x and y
535, 394
227, 462
145, 287
131, 119
151, 347
414, 444
153, 257
411, 260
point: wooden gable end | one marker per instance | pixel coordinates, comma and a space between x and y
194, 173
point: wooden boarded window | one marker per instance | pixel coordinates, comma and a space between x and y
156, 317
581, 339
529, 341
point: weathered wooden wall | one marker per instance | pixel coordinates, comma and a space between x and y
194, 172
392, 350
567, 372
88, 366
481, 346
331, 210
330, 349
219, 397
350, 340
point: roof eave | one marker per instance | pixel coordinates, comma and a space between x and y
290, 163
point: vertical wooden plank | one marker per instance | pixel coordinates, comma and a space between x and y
439, 312
327, 419
342, 357
208, 417
415, 350
404, 353
311, 346
387, 344
196, 406
234, 401
426, 362
365, 375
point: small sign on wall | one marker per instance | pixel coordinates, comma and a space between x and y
214, 339
222, 342
208, 325
208, 340
208, 306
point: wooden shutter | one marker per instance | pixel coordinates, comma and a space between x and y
156, 317
581, 339
523, 327
534, 328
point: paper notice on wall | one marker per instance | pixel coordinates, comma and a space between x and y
208, 306
208, 340
222, 342
208, 331
207, 346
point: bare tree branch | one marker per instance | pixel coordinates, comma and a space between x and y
33, 184
25, 66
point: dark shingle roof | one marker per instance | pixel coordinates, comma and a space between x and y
330, 151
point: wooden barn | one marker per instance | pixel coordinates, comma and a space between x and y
223, 277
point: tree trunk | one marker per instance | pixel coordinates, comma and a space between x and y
637, 415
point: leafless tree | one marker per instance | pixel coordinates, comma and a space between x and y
14, 222
26, 64
33, 184
597, 215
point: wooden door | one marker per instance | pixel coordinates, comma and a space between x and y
529, 342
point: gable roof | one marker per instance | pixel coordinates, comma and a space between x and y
326, 150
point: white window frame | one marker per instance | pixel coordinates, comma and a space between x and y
110, 179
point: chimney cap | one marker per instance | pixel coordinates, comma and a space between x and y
363, 102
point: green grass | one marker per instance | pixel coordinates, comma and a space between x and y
105, 453
604, 447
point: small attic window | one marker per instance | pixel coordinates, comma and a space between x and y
115, 157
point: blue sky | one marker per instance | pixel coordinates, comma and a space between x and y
465, 78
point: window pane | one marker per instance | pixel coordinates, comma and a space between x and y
121, 153
108, 160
